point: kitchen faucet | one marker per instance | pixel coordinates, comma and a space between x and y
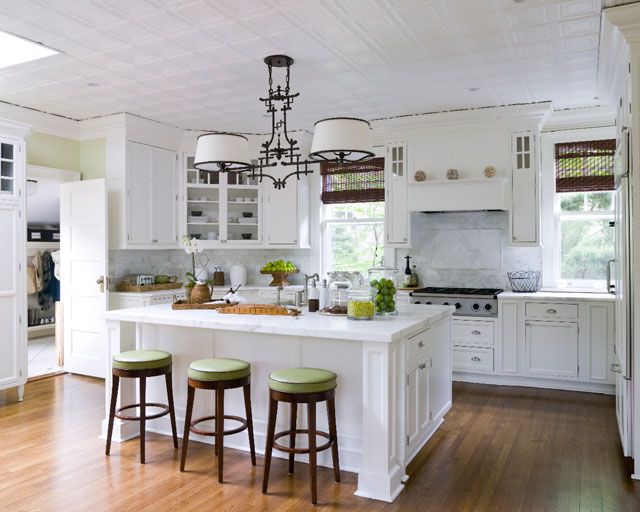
305, 292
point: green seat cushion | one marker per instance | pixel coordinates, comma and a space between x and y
141, 359
219, 369
302, 380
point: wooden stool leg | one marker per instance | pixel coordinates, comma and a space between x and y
333, 434
312, 451
187, 425
292, 437
271, 430
247, 407
215, 412
143, 415
115, 381
172, 411
220, 428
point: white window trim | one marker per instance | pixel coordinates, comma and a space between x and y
549, 231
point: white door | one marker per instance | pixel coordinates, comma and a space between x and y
281, 210
139, 194
83, 251
552, 348
165, 197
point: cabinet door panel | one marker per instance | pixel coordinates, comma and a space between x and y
281, 211
552, 348
165, 200
509, 337
396, 213
140, 193
413, 406
524, 208
439, 369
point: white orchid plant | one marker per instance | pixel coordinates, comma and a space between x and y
193, 246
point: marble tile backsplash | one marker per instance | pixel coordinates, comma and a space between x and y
466, 249
177, 262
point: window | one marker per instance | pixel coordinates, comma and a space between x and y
353, 215
583, 209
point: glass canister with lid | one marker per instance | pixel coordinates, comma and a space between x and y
383, 282
338, 294
361, 305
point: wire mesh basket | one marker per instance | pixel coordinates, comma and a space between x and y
523, 281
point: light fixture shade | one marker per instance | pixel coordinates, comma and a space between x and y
222, 152
341, 139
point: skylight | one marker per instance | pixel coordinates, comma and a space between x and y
16, 50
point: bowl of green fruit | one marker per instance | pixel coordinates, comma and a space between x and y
279, 271
383, 290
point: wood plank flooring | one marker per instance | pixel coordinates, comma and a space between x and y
500, 449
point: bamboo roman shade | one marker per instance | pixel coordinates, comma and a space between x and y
585, 166
353, 182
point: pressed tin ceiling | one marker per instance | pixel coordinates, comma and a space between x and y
199, 63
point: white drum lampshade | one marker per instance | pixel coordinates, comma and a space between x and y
344, 139
227, 149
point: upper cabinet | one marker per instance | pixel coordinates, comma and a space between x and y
525, 194
151, 212
10, 157
396, 219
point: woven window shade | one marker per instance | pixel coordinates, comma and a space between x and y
354, 182
585, 166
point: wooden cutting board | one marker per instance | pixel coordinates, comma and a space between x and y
259, 309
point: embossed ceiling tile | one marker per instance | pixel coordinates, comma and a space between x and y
576, 8
126, 9
536, 49
573, 44
525, 16
532, 34
582, 26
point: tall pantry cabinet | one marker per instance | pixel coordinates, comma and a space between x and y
13, 342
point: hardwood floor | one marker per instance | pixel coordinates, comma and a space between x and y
500, 449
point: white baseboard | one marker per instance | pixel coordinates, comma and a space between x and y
529, 382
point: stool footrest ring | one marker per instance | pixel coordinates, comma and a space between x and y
288, 449
163, 412
196, 430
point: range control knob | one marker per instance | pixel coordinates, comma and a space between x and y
487, 307
417, 302
476, 306
445, 303
428, 302
458, 305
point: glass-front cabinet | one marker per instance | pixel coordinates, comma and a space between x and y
222, 209
8, 163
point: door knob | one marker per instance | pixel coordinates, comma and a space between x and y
100, 281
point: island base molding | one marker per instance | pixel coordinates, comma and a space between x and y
534, 382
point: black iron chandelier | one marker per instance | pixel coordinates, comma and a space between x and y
335, 139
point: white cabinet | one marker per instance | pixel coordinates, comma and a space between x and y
224, 210
118, 300
525, 200
551, 348
396, 215
473, 341
13, 361
286, 212
152, 197
428, 381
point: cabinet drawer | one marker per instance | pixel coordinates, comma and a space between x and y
417, 346
474, 333
551, 310
466, 359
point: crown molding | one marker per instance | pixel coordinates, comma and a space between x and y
15, 129
40, 121
580, 118
627, 19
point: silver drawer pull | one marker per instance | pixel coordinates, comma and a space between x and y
615, 367
423, 366
475, 358
421, 344
476, 332
551, 311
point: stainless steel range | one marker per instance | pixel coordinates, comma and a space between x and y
468, 301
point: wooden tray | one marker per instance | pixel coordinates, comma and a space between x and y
259, 309
183, 304
124, 287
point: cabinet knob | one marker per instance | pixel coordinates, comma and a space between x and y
551, 311
615, 367
421, 344
475, 358
476, 332
422, 366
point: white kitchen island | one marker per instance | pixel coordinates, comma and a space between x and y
394, 378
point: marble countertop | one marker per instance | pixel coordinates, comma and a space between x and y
222, 289
409, 321
558, 295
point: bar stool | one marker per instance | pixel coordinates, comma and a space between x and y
218, 375
140, 364
302, 385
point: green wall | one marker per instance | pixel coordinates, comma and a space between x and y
51, 151
92, 158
